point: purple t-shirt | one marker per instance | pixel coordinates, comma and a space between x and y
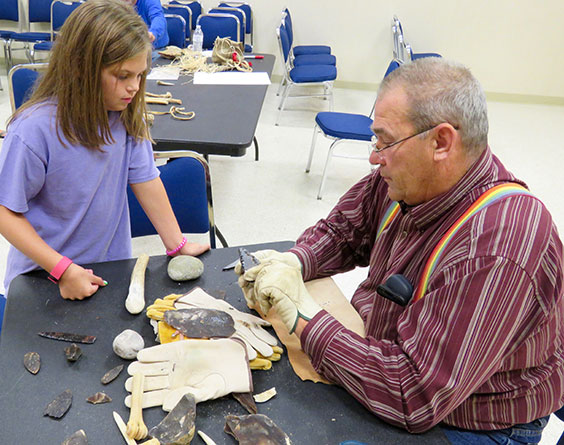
74, 197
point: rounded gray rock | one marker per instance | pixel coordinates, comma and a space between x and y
185, 267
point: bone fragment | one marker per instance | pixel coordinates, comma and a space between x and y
162, 82
207, 439
265, 396
156, 100
123, 429
136, 428
135, 301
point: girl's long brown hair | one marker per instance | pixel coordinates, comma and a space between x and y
97, 34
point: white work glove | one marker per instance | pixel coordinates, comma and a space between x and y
208, 369
282, 287
266, 257
248, 328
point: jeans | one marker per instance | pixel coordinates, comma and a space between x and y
524, 433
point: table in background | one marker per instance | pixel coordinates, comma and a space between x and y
226, 115
309, 413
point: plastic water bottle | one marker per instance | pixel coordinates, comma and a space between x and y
198, 39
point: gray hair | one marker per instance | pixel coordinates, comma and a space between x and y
440, 91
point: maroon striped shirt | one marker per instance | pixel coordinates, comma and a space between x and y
483, 349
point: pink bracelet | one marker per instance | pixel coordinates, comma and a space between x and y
180, 246
58, 271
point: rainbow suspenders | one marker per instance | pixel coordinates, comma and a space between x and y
489, 197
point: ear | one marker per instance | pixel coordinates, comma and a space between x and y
445, 140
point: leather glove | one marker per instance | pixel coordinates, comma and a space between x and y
282, 287
262, 347
266, 257
208, 369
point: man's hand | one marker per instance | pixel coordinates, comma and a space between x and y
151, 37
78, 283
266, 257
282, 287
208, 369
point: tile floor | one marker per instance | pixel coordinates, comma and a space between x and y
274, 199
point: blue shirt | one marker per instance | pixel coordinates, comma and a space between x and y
152, 14
74, 197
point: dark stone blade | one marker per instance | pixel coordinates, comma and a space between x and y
247, 259
73, 352
78, 438
66, 336
111, 375
58, 407
99, 398
178, 426
255, 428
201, 323
246, 400
32, 362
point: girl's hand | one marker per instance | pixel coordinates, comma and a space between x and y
78, 283
194, 249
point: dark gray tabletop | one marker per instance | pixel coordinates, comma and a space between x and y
226, 115
309, 413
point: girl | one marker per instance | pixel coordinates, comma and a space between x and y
74, 146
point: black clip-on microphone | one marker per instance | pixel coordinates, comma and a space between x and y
397, 288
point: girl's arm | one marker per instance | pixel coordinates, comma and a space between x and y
154, 201
75, 283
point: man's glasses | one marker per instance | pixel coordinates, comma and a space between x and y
374, 140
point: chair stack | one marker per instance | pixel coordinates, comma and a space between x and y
8, 12
402, 50
173, 12
304, 65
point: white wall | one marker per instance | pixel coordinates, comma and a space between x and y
512, 46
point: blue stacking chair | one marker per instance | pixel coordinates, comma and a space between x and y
219, 25
176, 29
60, 10
249, 23
21, 80
301, 49
8, 12
186, 13
195, 7
186, 179
342, 127
305, 75
241, 16
39, 11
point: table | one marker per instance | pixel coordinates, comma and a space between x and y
226, 115
309, 413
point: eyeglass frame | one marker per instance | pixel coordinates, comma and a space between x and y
374, 140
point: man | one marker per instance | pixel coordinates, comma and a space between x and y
479, 346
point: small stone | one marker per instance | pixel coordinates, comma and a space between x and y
178, 427
128, 344
98, 398
78, 438
32, 362
111, 375
73, 352
58, 407
185, 267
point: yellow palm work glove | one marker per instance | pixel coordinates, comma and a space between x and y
282, 287
262, 347
208, 369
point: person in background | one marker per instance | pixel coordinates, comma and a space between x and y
476, 346
152, 14
73, 148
